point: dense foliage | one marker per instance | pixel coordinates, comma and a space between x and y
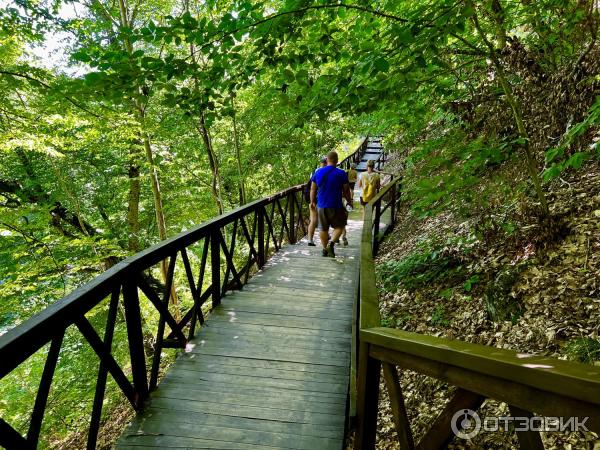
151, 116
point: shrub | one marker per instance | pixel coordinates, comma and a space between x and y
418, 269
586, 350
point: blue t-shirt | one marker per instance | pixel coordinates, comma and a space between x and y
330, 194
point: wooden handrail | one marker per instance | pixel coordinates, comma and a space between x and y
574, 380
526, 382
22, 341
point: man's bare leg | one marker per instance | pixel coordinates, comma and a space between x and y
312, 225
324, 236
337, 232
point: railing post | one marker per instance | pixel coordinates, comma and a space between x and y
292, 221
215, 266
376, 219
135, 336
367, 402
393, 200
261, 236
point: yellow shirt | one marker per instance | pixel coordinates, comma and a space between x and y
352, 176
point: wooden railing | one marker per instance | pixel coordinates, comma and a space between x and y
356, 156
212, 258
528, 384
259, 227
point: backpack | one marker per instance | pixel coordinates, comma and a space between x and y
306, 192
368, 187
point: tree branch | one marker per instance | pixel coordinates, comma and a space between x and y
47, 86
301, 10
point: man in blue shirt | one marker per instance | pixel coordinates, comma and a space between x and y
328, 186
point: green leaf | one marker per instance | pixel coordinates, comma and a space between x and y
381, 64
468, 11
405, 36
93, 78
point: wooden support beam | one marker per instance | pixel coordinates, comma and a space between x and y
109, 362
41, 399
405, 437
103, 371
215, 266
261, 237
10, 439
135, 339
368, 399
530, 439
440, 433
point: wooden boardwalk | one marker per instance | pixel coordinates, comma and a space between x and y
270, 368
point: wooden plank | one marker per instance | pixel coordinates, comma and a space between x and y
299, 395
230, 337
572, 380
241, 423
166, 442
299, 289
273, 400
279, 356
283, 321
190, 377
512, 392
216, 361
324, 384
286, 297
225, 325
308, 275
336, 339
259, 348
261, 372
291, 441
295, 395
289, 310
263, 413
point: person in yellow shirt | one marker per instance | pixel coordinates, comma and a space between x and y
352, 176
369, 183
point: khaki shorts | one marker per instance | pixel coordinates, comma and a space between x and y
332, 217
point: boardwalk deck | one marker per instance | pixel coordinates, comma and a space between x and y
271, 366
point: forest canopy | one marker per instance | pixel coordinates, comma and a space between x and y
125, 122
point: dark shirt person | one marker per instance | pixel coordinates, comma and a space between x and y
329, 184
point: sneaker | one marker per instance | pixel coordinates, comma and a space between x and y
330, 251
325, 252
311, 244
345, 241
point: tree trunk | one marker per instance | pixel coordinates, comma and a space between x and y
133, 205
517, 115
238, 158
141, 115
213, 163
